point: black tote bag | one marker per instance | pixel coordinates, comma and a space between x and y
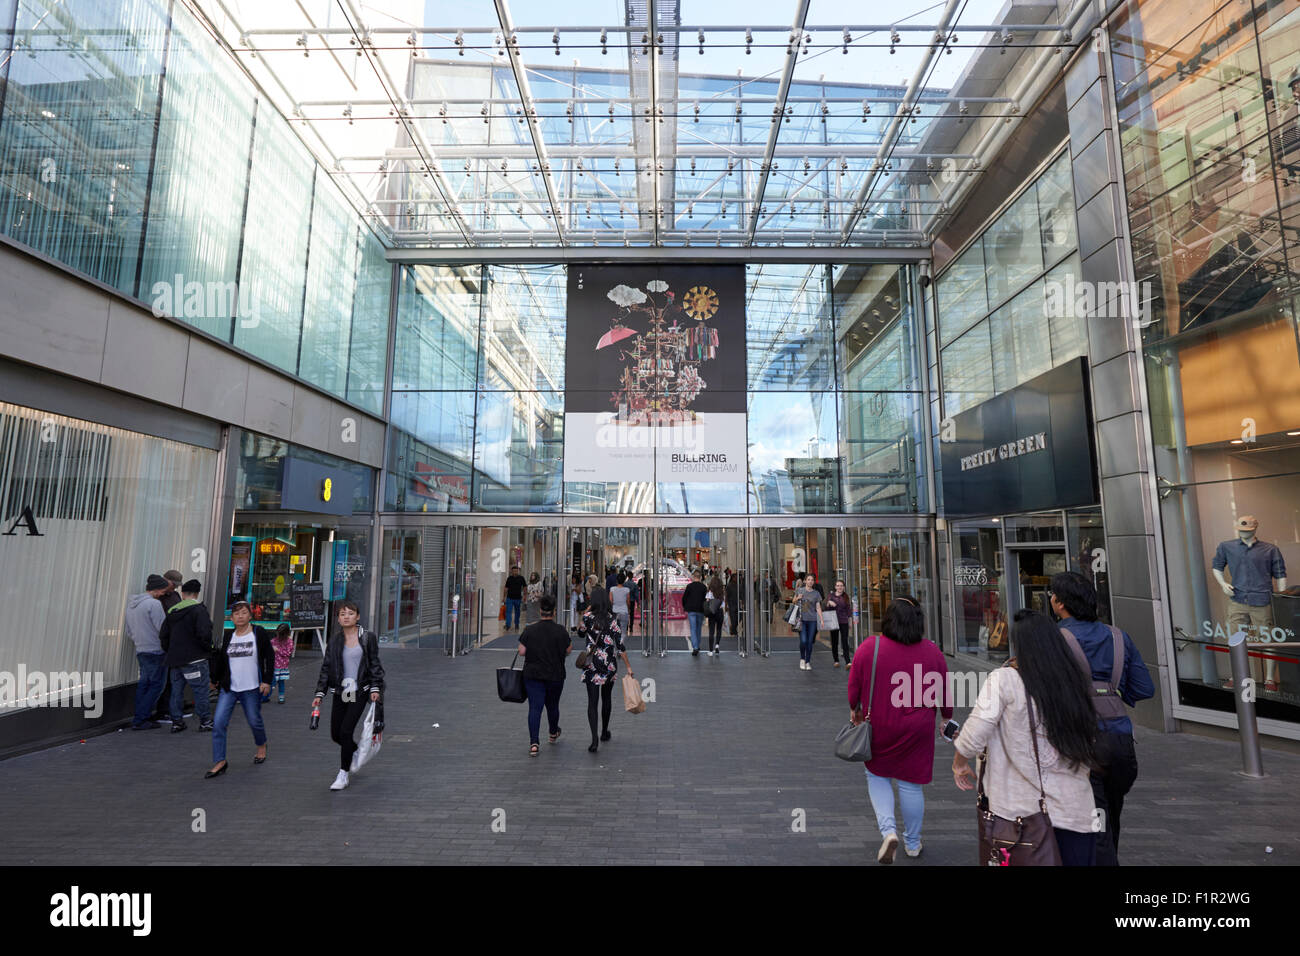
510, 683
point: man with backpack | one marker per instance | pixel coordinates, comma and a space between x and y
1119, 679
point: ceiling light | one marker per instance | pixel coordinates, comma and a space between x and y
749, 41
604, 40
847, 40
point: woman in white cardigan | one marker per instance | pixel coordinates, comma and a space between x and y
1042, 671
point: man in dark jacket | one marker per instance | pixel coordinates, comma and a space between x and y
1074, 602
693, 604
735, 589
186, 637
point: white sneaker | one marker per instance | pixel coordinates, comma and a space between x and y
808, 666
914, 853
803, 665
341, 781
710, 653
887, 848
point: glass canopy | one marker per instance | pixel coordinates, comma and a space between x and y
494, 123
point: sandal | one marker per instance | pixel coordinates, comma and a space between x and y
533, 749
555, 736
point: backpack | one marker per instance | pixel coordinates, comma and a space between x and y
1105, 693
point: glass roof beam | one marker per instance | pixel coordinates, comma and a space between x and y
914, 88
530, 112
778, 110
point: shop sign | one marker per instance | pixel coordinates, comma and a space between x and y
970, 576
310, 486
1028, 449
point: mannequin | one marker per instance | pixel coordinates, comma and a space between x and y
1257, 571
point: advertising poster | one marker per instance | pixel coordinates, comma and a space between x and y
655, 374
241, 557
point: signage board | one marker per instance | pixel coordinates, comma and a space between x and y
306, 605
310, 486
1028, 449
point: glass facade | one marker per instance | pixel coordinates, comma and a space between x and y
134, 150
1211, 152
997, 301
833, 397
97, 509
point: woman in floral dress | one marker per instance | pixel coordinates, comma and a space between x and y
604, 646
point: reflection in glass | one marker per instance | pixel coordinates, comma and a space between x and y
793, 465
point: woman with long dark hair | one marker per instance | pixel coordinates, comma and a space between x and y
902, 719
352, 673
604, 646
1042, 675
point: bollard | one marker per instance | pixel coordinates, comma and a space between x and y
455, 613
1251, 759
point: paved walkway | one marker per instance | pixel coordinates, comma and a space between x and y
714, 772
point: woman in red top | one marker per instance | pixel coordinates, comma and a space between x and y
911, 684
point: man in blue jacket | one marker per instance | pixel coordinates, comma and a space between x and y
1074, 602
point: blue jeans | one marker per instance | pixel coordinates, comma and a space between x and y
153, 673
807, 638
252, 702
696, 621
910, 795
543, 693
199, 684
512, 608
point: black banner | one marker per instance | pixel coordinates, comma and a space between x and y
1027, 449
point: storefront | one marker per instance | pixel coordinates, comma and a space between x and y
303, 517
1027, 455
89, 512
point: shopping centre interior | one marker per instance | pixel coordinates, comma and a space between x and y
390, 297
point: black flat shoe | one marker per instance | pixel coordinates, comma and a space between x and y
257, 759
605, 735
217, 773
594, 747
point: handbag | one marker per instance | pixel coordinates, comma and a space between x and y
853, 742
510, 683
828, 620
372, 736
793, 619
1024, 841
632, 699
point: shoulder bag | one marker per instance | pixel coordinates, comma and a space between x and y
510, 683
853, 742
1024, 841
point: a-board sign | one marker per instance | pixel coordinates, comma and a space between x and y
306, 605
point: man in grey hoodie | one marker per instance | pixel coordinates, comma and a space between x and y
144, 618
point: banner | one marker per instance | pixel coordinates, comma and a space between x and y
655, 374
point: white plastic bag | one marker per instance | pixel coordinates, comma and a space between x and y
370, 741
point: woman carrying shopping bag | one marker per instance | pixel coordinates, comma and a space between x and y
600, 661
1035, 719
351, 672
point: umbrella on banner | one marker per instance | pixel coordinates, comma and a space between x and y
616, 334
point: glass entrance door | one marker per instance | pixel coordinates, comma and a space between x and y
784, 557
1030, 575
717, 558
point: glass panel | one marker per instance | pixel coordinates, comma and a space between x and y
430, 451
200, 178
272, 270
113, 507
78, 129
788, 328
960, 293
880, 435
524, 327
793, 465
1022, 346
331, 285
437, 328
519, 451
873, 328
368, 348
1056, 211
1087, 548
966, 366
1013, 248
981, 600
1067, 326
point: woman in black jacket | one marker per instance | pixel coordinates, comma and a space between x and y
351, 670
242, 668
